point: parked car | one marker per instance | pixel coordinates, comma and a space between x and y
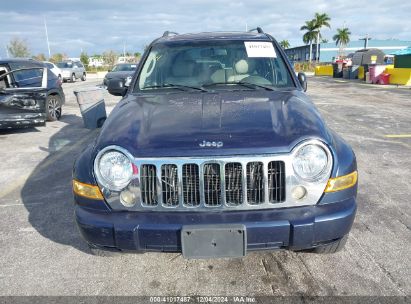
215, 150
52, 67
30, 94
72, 70
121, 71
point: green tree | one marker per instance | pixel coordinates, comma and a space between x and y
18, 48
110, 58
84, 58
321, 20
285, 44
324, 40
137, 54
40, 57
310, 34
342, 38
57, 57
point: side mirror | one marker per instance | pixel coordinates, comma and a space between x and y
302, 78
116, 87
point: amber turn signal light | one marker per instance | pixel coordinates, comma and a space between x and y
341, 182
86, 190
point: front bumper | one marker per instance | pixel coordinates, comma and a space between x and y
291, 228
24, 120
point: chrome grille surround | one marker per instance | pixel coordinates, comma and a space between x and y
191, 193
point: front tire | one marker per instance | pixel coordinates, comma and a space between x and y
53, 108
84, 77
73, 77
333, 247
102, 253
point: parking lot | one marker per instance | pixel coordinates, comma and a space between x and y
42, 253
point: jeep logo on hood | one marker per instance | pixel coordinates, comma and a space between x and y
214, 144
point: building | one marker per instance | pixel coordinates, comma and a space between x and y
329, 51
95, 61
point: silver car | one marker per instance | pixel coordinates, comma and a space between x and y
72, 70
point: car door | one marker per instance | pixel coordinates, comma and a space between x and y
80, 69
23, 95
77, 69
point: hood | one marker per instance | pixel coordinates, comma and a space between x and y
119, 74
241, 122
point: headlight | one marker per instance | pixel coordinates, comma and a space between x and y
311, 162
114, 170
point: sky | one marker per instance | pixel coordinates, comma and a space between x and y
97, 26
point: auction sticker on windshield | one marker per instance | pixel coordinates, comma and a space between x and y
260, 49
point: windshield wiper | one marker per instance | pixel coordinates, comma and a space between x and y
175, 86
256, 85
241, 83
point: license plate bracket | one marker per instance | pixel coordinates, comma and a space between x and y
214, 241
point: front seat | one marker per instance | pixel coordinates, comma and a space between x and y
241, 71
182, 73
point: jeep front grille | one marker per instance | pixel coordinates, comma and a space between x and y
169, 185
148, 185
255, 183
191, 185
233, 184
276, 180
212, 184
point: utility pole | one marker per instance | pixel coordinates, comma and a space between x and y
366, 38
47, 37
7, 51
124, 49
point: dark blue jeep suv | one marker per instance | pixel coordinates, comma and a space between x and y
215, 150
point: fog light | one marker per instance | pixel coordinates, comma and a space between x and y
299, 193
127, 198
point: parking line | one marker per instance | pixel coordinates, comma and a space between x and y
53, 158
398, 136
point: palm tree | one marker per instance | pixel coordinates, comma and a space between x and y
342, 38
321, 20
285, 44
309, 35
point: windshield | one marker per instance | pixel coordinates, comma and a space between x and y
213, 63
65, 65
124, 68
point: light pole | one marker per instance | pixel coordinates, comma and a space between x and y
366, 38
47, 37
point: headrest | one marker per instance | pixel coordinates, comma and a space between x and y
183, 69
241, 67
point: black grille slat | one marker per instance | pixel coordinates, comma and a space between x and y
169, 185
255, 183
276, 181
148, 179
234, 184
212, 185
191, 185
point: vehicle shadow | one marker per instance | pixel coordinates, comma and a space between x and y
47, 193
5, 132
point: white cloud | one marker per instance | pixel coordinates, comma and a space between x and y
94, 26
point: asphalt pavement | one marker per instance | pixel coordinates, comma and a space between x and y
42, 253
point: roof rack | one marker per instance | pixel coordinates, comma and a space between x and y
168, 33
258, 29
